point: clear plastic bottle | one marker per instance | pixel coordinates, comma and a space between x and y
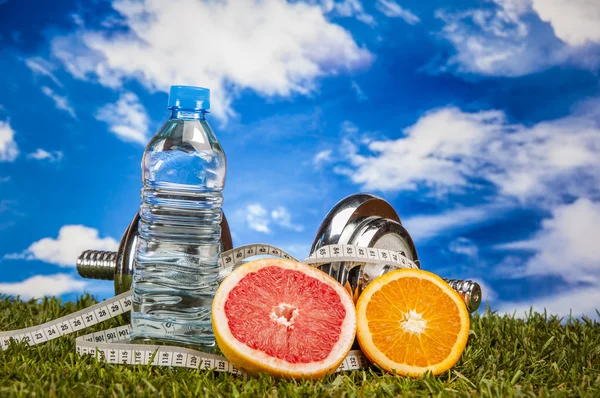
175, 274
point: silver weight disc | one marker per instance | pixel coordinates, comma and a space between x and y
347, 213
379, 233
364, 220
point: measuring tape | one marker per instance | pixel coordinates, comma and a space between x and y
113, 346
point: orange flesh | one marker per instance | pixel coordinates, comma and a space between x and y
388, 308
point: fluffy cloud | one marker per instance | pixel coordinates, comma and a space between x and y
347, 8
576, 302
282, 217
509, 39
127, 118
448, 149
566, 245
41, 154
391, 9
260, 220
424, 227
576, 22
40, 66
322, 157
257, 218
61, 102
360, 94
64, 250
43, 285
274, 47
464, 246
8, 147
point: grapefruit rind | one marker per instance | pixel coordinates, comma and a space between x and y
254, 361
371, 351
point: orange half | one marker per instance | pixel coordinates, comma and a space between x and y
410, 322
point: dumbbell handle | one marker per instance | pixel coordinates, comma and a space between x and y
96, 264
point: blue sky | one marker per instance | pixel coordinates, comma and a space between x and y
478, 121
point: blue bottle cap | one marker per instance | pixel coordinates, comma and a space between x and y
189, 97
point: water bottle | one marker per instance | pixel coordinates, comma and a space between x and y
175, 274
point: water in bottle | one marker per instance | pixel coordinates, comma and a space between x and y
175, 274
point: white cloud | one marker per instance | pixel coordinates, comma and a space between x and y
274, 47
447, 149
424, 227
465, 247
61, 102
426, 153
360, 94
576, 22
506, 39
43, 285
8, 147
4, 179
257, 218
576, 302
40, 66
566, 245
64, 250
283, 218
41, 154
127, 118
493, 42
322, 157
349, 128
391, 9
348, 8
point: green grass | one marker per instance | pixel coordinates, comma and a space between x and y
504, 357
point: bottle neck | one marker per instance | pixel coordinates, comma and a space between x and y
188, 114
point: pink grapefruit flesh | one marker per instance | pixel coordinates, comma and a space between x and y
283, 317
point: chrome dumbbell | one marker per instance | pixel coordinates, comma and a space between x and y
369, 221
118, 266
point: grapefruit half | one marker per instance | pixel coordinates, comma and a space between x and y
284, 318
